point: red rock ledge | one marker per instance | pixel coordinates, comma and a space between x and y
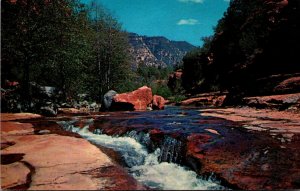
55, 162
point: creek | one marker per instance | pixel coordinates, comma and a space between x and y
156, 160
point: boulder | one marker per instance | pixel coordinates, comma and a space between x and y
158, 102
107, 99
288, 85
136, 100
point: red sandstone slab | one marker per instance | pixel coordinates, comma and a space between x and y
18, 116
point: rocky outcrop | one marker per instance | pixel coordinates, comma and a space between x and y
288, 85
18, 116
157, 51
262, 165
285, 101
40, 162
158, 102
207, 100
136, 100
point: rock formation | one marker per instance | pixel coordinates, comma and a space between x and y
157, 51
136, 100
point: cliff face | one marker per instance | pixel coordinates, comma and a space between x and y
157, 51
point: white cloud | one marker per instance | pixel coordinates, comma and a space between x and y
191, 1
187, 22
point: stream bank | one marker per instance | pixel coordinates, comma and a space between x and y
242, 148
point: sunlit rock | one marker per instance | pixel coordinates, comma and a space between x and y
136, 100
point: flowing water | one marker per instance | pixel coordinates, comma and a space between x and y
157, 168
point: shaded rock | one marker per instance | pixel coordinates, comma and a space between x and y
210, 99
49, 111
107, 99
290, 84
274, 101
65, 105
158, 102
195, 143
136, 100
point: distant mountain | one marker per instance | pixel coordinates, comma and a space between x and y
157, 51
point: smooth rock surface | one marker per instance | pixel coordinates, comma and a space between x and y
139, 99
13, 175
18, 116
57, 162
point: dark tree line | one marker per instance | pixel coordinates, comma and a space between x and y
62, 43
255, 39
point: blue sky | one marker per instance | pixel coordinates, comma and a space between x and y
187, 20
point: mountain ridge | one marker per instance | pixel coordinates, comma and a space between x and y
157, 51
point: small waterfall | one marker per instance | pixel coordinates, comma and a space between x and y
155, 169
171, 150
141, 137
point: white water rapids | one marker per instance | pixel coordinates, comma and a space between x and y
145, 167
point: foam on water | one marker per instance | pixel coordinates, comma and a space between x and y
144, 166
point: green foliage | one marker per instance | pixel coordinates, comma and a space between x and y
65, 44
161, 89
177, 98
154, 77
254, 39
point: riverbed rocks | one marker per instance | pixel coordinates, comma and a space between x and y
256, 158
45, 161
206, 99
245, 148
281, 102
158, 102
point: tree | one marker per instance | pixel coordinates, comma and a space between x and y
255, 39
44, 42
111, 64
